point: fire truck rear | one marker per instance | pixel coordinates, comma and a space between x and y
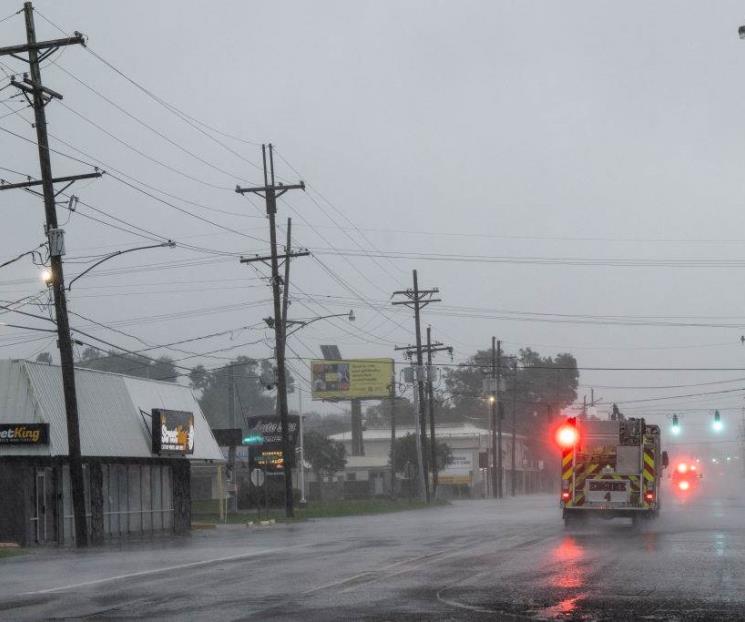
610, 469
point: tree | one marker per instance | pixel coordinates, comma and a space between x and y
252, 397
328, 424
540, 384
162, 368
325, 456
406, 454
379, 415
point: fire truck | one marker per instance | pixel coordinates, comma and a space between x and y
610, 468
685, 478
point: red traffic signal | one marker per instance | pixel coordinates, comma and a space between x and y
568, 435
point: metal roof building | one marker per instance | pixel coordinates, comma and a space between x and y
134, 483
114, 411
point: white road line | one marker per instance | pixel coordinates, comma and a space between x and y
145, 573
459, 605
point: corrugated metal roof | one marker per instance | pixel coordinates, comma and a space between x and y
111, 423
149, 394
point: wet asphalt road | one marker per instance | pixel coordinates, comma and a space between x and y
477, 560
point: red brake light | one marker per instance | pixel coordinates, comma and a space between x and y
649, 496
566, 495
567, 436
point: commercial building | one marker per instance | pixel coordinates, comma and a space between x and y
137, 472
466, 475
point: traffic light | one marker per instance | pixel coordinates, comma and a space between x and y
253, 439
717, 425
568, 434
676, 425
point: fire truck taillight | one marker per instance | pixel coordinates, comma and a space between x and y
649, 496
684, 485
682, 467
567, 435
566, 495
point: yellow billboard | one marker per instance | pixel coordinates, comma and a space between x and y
351, 379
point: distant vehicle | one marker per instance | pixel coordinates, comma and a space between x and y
685, 478
610, 469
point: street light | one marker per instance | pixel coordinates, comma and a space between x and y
300, 324
168, 244
47, 276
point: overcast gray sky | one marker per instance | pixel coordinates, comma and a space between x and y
595, 133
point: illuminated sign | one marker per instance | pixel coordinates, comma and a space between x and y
264, 437
351, 379
24, 434
173, 431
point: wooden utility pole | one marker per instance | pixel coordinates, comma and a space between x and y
513, 477
271, 192
38, 96
495, 408
417, 299
432, 348
392, 401
231, 449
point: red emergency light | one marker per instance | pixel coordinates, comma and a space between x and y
567, 435
684, 485
682, 468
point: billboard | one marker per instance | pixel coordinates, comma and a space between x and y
24, 434
351, 379
267, 454
173, 431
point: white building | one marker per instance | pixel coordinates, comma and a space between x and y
466, 475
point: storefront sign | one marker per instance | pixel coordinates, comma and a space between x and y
24, 434
173, 431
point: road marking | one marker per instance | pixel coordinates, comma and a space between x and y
367, 573
459, 605
145, 573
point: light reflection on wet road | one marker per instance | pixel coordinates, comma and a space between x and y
473, 560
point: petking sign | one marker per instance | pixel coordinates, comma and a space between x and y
24, 434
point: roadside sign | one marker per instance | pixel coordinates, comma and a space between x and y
257, 478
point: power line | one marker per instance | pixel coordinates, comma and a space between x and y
146, 125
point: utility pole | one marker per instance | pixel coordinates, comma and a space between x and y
513, 477
417, 299
286, 295
431, 348
38, 96
410, 352
286, 288
392, 400
271, 192
231, 450
495, 407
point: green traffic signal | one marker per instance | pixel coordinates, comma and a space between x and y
676, 425
253, 439
717, 425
